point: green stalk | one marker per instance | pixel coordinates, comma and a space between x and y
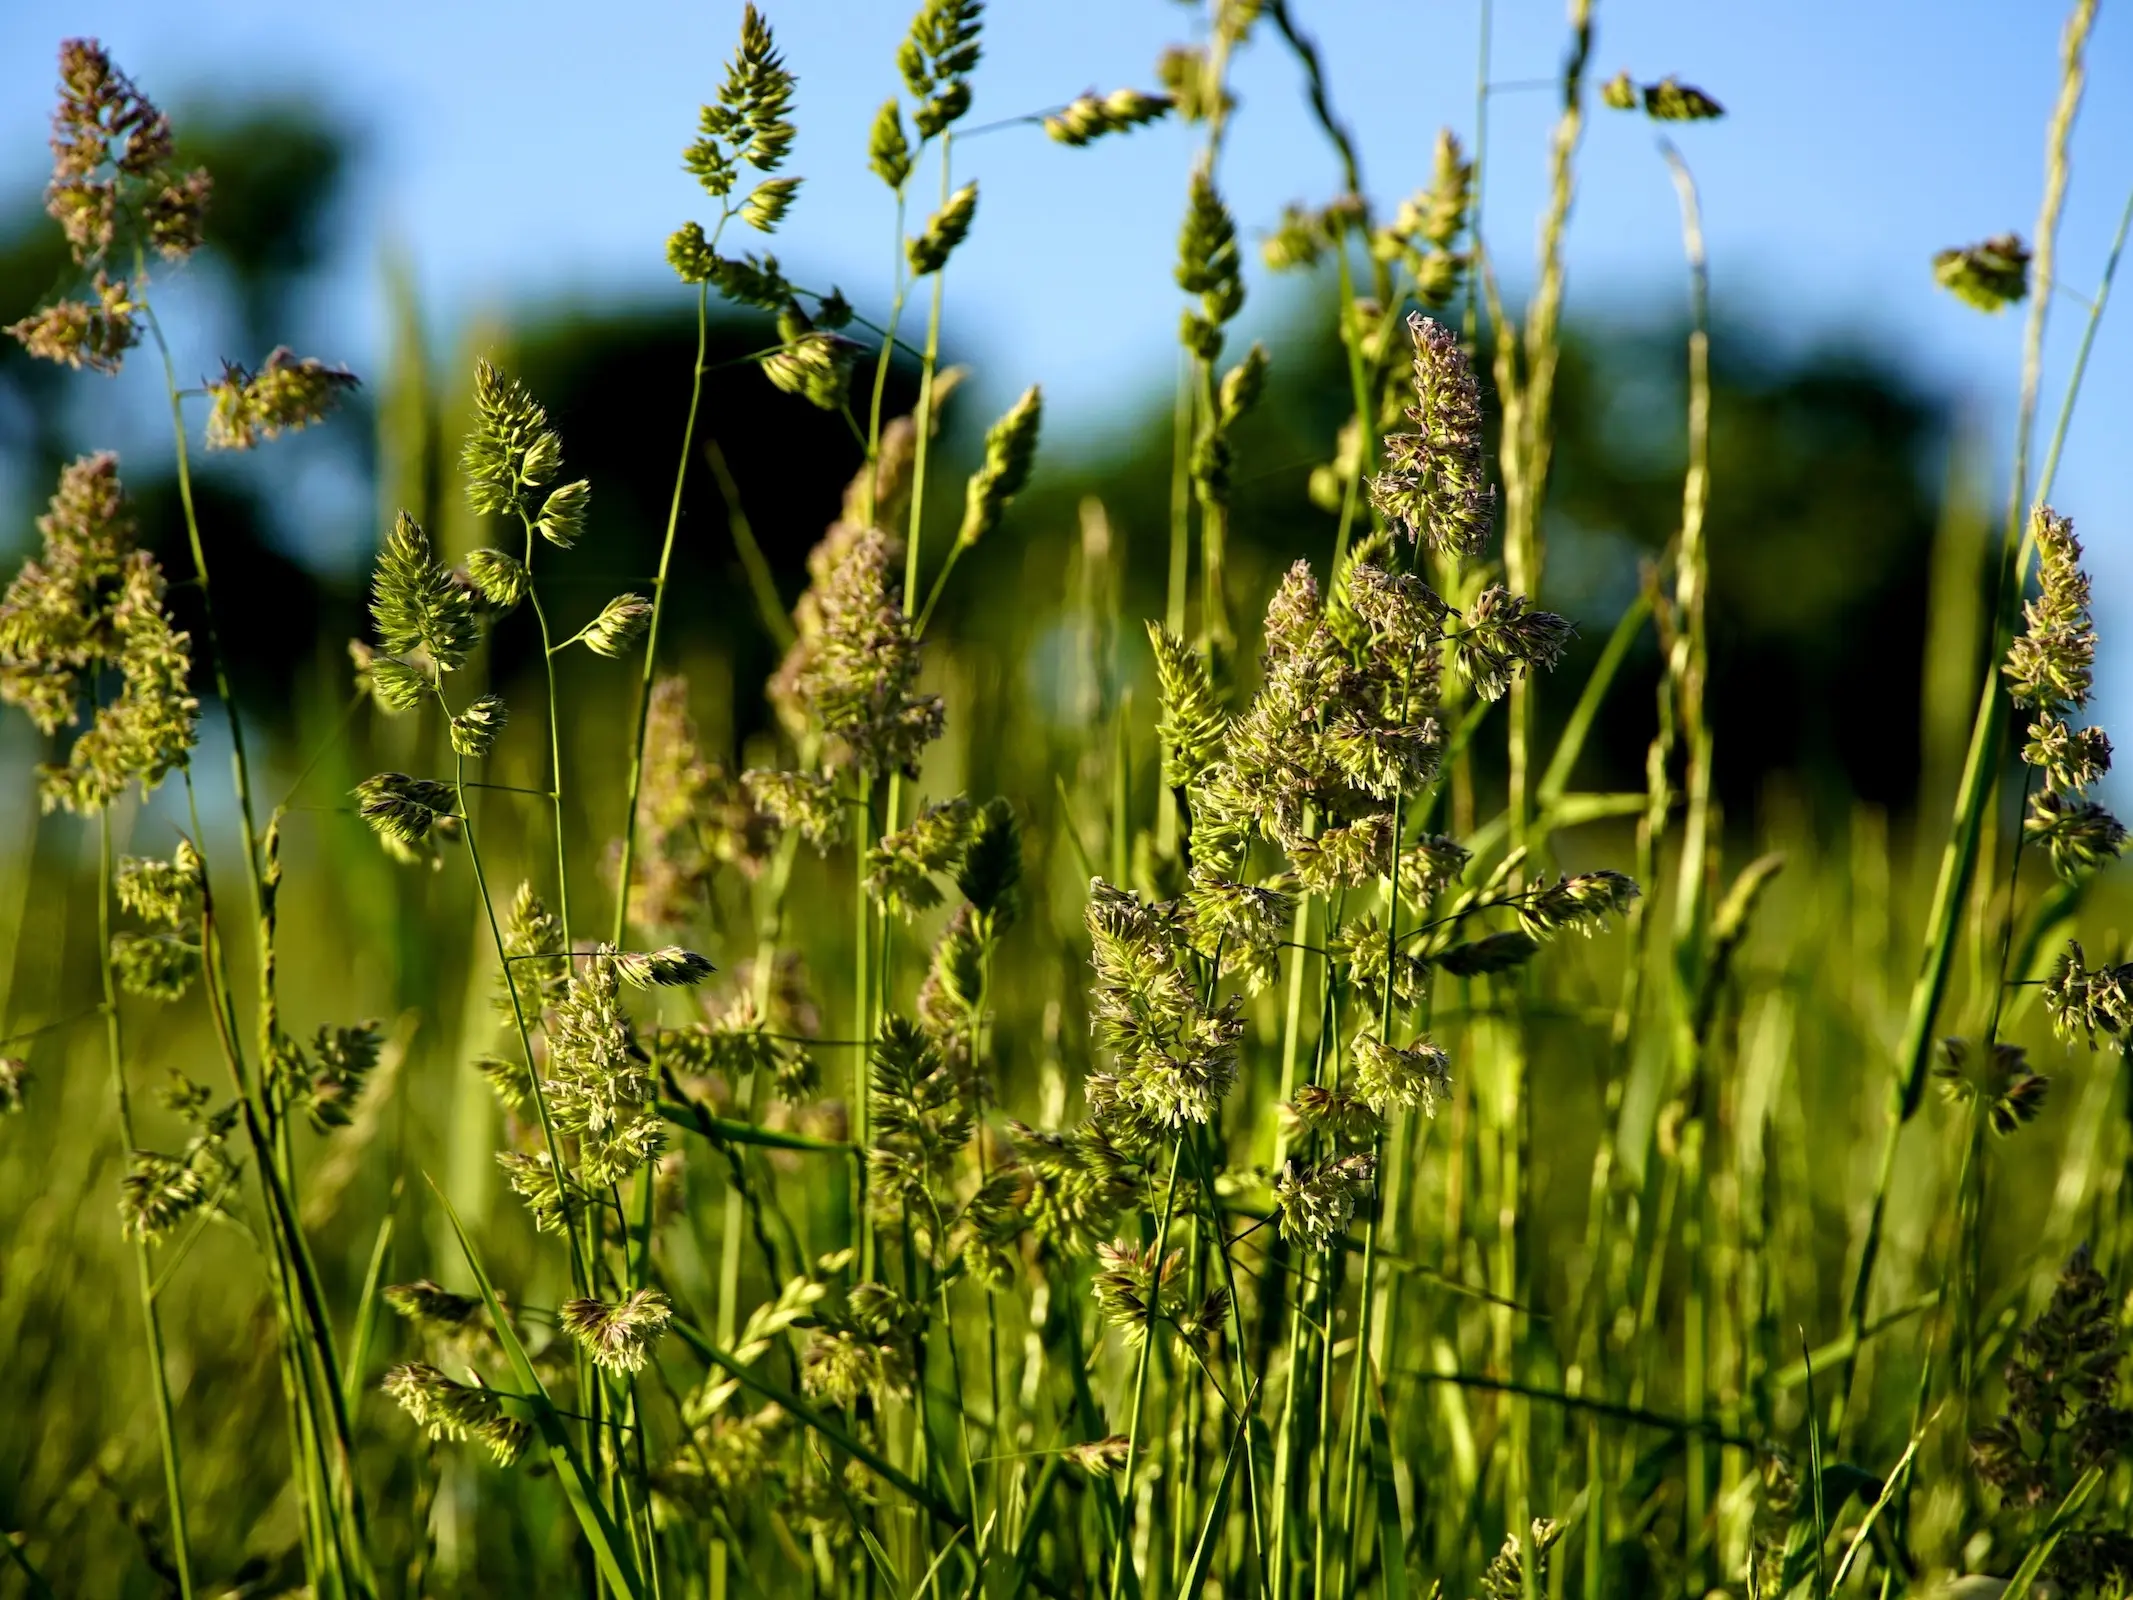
1285, 1429
580, 1275
760, 582
311, 1360
1245, 1386
241, 767
586, 1268
1527, 435
273, 1151
1981, 763
1359, 394
1343, 143
151, 1318
1688, 664
1358, 1377
1121, 1554
928, 365
555, 743
294, 1278
881, 370
862, 1021
651, 641
1687, 669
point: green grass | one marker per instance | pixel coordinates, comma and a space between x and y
1247, 1120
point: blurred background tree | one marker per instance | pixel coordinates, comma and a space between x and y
1828, 462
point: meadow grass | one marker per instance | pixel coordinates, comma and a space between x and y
1270, 1133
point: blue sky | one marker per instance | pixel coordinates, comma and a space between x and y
527, 153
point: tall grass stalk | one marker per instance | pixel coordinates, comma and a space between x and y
151, 1315
1981, 763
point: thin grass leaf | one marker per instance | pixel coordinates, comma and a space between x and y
1814, 1459
725, 1130
2033, 1563
1881, 1501
933, 1571
1392, 1547
609, 1549
1203, 1551
366, 1317
1844, 1345
1571, 744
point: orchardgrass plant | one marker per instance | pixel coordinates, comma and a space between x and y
1138, 1190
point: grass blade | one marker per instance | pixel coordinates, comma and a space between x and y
1572, 743
1392, 1546
1203, 1552
725, 1130
1881, 1501
366, 1317
608, 1547
886, 1470
1814, 1458
2026, 1574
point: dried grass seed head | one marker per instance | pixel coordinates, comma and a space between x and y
1317, 1200
1389, 1077
147, 731
1010, 452
947, 228
1092, 116
1435, 482
114, 188
936, 60
621, 623
56, 616
416, 602
289, 393
618, 1335
475, 730
446, 1409
1990, 276
2086, 1000
860, 674
84, 333
1999, 1075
